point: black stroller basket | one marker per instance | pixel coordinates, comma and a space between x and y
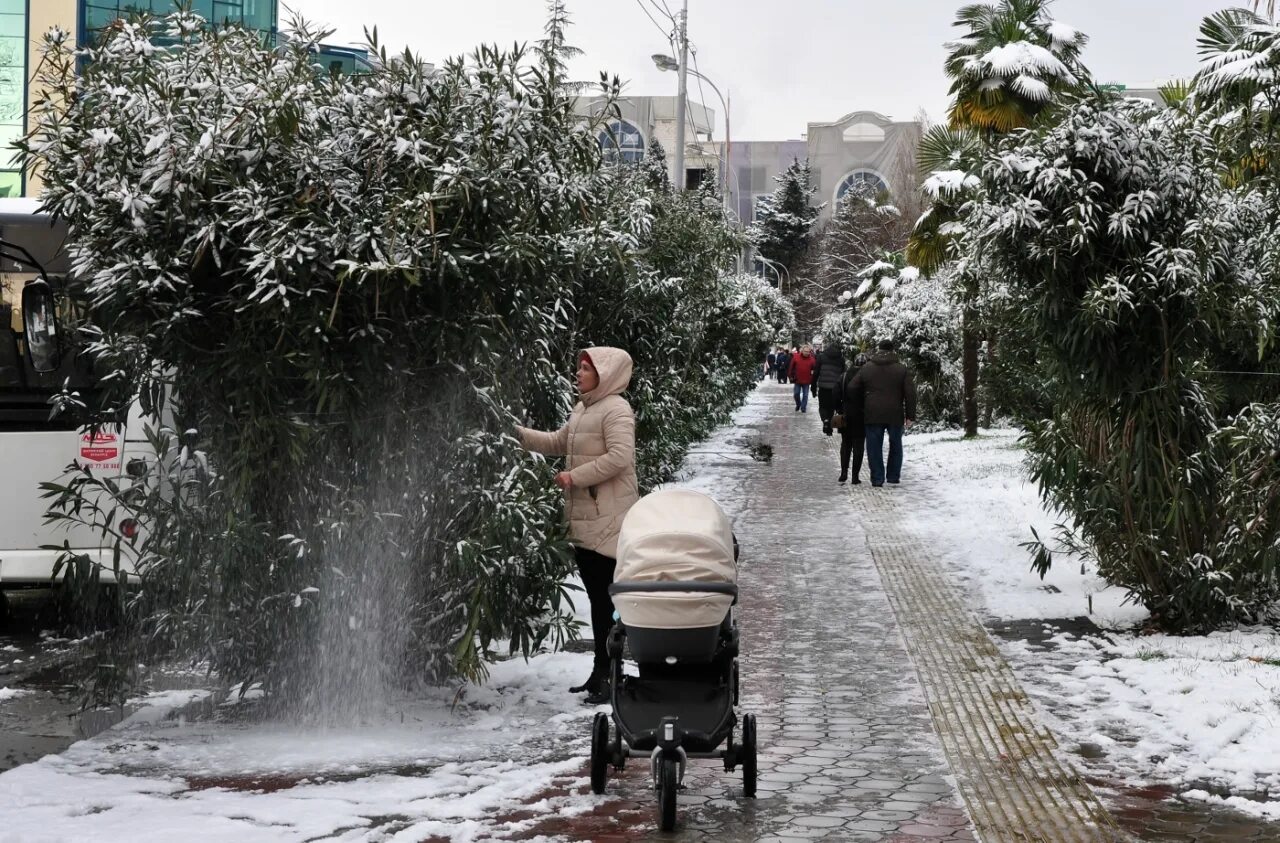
690, 646
682, 705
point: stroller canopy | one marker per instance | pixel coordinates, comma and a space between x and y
675, 535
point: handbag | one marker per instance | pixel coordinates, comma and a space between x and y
837, 421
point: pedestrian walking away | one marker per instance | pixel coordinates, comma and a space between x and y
801, 373
887, 392
599, 483
848, 418
828, 374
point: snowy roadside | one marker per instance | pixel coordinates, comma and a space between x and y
1198, 713
474, 768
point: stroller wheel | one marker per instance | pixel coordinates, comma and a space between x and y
749, 755
599, 752
668, 784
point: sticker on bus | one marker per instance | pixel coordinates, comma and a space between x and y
100, 450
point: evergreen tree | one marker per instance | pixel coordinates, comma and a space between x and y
784, 227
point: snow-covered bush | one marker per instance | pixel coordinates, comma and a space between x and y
1144, 282
345, 291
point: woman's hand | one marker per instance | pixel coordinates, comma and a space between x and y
564, 480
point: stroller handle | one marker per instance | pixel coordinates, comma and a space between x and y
668, 585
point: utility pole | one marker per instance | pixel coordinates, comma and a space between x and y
682, 98
728, 152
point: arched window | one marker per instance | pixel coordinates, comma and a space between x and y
866, 182
622, 142
864, 133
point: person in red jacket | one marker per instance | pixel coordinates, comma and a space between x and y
801, 374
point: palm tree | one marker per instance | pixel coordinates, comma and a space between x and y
942, 151
1009, 64
1006, 71
1236, 82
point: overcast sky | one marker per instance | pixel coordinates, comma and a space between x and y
785, 63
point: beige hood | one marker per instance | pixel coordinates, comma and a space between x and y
614, 368
675, 535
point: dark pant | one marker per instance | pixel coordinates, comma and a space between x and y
852, 439
782, 374
826, 403
875, 453
596, 571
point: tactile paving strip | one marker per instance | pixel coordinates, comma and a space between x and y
1014, 783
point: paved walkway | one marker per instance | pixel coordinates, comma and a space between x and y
1015, 783
849, 737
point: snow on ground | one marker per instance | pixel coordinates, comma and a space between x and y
1201, 713
432, 769
475, 768
977, 508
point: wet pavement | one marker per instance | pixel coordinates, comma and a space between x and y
847, 750
43, 719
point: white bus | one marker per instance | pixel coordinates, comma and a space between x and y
36, 360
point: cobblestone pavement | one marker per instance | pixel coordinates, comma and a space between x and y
847, 749
1016, 783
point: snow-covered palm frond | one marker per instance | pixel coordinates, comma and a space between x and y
945, 184
1022, 57
1032, 88
1009, 63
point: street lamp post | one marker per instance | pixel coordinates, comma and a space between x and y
665, 62
682, 97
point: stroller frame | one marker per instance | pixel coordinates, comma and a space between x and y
666, 743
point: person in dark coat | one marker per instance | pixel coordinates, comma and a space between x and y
827, 375
783, 362
887, 392
853, 434
770, 360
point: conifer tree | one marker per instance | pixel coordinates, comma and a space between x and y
784, 226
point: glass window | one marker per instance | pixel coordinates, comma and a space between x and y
864, 133
13, 90
255, 14
12, 24
865, 181
622, 141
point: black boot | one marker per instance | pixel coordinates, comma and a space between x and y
841, 478
598, 693
592, 681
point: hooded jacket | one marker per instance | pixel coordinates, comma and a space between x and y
886, 390
830, 367
599, 441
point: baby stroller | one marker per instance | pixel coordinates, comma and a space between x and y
674, 590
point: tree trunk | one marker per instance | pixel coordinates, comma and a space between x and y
989, 402
969, 340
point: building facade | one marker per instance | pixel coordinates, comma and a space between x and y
862, 147
628, 135
24, 22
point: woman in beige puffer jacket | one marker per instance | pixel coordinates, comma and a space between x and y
599, 483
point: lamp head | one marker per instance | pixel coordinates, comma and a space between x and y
665, 62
